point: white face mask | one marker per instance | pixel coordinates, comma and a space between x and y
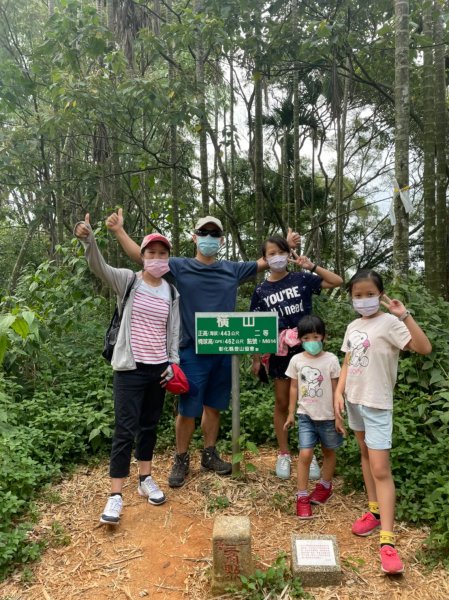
278, 262
366, 306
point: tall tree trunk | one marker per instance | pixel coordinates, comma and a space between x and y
258, 156
296, 158
339, 179
431, 273
201, 98
440, 144
402, 126
22, 254
174, 187
233, 152
284, 178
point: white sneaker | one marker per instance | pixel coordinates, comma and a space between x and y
314, 470
283, 464
149, 488
112, 510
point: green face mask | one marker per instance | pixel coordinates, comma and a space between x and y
313, 348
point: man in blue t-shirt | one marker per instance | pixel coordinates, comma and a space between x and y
205, 285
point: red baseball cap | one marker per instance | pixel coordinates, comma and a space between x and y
154, 237
178, 384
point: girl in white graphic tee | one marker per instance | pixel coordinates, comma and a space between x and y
372, 344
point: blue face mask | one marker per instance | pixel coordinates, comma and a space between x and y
207, 245
313, 348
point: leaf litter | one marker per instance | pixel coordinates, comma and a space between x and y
165, 552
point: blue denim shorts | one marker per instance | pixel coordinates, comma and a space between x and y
311, 432
210, 381
377, 423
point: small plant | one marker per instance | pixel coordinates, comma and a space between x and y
59, 536
270, 584
353, 563
246, 448
218, 503
282, 502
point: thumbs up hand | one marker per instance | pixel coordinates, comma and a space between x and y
293, 238
83, 229
115, 221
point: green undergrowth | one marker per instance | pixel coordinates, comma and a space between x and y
56, 407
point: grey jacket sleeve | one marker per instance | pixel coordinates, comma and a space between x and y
114, 278
174, 328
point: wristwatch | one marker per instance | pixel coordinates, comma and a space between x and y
404, 315
313, 269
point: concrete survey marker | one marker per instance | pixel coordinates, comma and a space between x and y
316, 559
231, 541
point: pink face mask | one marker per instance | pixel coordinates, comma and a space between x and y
156, 266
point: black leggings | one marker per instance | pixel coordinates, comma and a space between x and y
138, 403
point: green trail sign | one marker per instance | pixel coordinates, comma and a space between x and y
236, 332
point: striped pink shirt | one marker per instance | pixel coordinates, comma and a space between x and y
149, 323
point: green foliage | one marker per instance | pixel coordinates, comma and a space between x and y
270, 583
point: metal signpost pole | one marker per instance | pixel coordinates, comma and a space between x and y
235, 411
236, 333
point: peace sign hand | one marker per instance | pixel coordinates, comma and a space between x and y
394, 306
302, 261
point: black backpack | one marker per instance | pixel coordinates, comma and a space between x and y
111, 335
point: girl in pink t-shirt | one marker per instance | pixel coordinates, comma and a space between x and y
372, 344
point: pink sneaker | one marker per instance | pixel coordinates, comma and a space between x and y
390, 561
303, 508
365, 525
320, 494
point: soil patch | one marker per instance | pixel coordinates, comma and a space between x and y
164, 552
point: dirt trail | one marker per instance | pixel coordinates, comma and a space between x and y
164, 552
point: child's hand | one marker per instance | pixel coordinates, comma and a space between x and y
339, 426
289, 422
256, 366
339, 405
394, 306
302, 261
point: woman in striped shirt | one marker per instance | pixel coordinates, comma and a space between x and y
147, 343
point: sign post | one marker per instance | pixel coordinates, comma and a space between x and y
236, 333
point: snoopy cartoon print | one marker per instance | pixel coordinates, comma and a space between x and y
358, 344
311, 382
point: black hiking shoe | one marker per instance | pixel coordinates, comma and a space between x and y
179, 470
211, 461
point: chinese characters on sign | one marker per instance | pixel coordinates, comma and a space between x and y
236, 333
231, 562
315, 552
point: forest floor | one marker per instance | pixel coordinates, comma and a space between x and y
164, 552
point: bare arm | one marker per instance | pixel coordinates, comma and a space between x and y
293, 400
339, 426
339, 400
329, 278
420, 342
115, 224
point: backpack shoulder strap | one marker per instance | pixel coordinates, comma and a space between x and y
128, 291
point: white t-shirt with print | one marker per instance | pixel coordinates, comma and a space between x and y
314, 375
374, 346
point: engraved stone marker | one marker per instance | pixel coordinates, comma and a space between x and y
231, 541
316, 559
